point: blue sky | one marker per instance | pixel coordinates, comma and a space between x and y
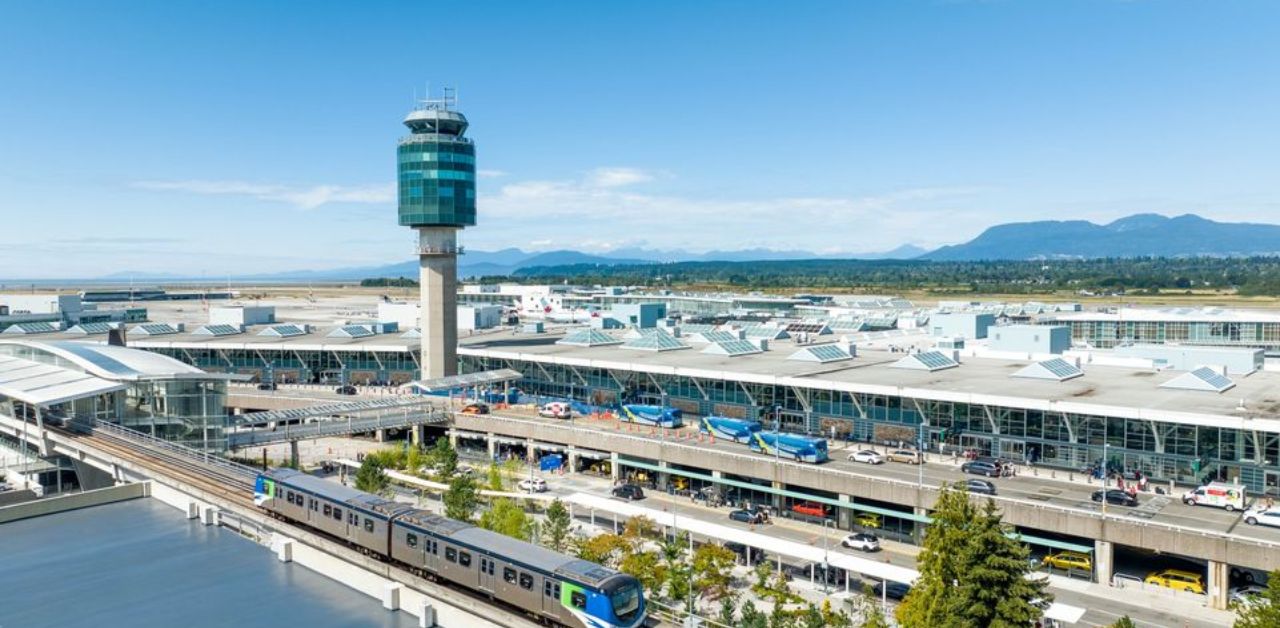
215, 138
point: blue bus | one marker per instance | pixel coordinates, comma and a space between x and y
656, 416
794, 446
736, 430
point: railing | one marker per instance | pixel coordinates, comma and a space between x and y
193, 459
326, 428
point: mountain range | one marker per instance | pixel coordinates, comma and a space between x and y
1138, 235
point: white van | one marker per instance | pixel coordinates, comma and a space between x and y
555, 410
1219, 494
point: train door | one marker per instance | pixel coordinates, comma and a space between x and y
486, 573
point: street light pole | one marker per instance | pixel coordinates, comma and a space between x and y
920, 451
826, 559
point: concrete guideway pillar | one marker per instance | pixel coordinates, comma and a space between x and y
391, 596
492, 444
614, 472
1219, 581
1103, 564
426, 614
293, 453
844, 516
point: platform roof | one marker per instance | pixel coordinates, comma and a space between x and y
44, 385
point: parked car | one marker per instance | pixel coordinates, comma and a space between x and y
533, 485
867, 520
862, 541
345, 390
629, 492
812, 509
1115, 496
476, 408
981, 487
981, 467
1069, 560
1262, 516
751, 555
266, 386
891, 590
1246, 596
746, 516
555, 410
1177, 579
909, 456
867, 456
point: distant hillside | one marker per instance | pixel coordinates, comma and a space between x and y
1140, 235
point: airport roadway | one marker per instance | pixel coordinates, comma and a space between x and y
1054, 487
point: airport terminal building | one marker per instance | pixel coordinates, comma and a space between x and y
1174, 422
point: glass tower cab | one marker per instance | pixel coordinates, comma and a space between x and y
437, 168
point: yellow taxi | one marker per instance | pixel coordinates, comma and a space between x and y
867, 520
1177, 579
1069, 560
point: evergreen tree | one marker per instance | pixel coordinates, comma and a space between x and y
728, 610
556, 530
460, 500
1123, 622
872, 614
446, 458
494, 478
971, 573
994, 587
505, 516
1263, 612
370, 478
751, 617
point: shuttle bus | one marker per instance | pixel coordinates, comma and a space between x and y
736, 430
656, 416
794, 446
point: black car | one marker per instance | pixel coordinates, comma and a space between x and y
981, 467
746, 516
1115, 496
629, 492
981, 487
894, 590
345, 390
267, 386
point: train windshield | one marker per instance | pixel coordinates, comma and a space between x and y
626, 602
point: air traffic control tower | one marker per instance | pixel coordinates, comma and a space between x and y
437, 183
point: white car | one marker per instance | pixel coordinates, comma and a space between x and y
862, 541
555, 410
867, 456
533, 485
1263, 516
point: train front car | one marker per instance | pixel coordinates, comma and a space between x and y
618, 603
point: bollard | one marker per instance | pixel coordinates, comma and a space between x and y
426, 614
193, 510
391, 596
209, 516
284, 551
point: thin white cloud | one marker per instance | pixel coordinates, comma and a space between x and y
303, 197
490, 174
617, 177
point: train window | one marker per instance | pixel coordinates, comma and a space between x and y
490, 572
464, 559
412, 540
578, 599
337, 514
509, 575
327, 510
546, 588
451, 554
526, 581
433, 547
368, 524
555, 591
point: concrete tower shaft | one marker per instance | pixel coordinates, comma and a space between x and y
438, 283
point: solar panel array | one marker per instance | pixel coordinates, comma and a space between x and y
768, 333
926, 361
1061, 368
218, 330
655, 342
733, 348
588, 338
30, 328
821, 354
806, 328
283, 331
1213, 378
718, 336
90, 329
351, 331
155, 329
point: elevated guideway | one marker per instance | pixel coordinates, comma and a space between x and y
333, 419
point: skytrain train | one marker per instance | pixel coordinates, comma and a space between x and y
546, 584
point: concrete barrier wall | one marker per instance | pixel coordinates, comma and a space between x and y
8, 498
63, 503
